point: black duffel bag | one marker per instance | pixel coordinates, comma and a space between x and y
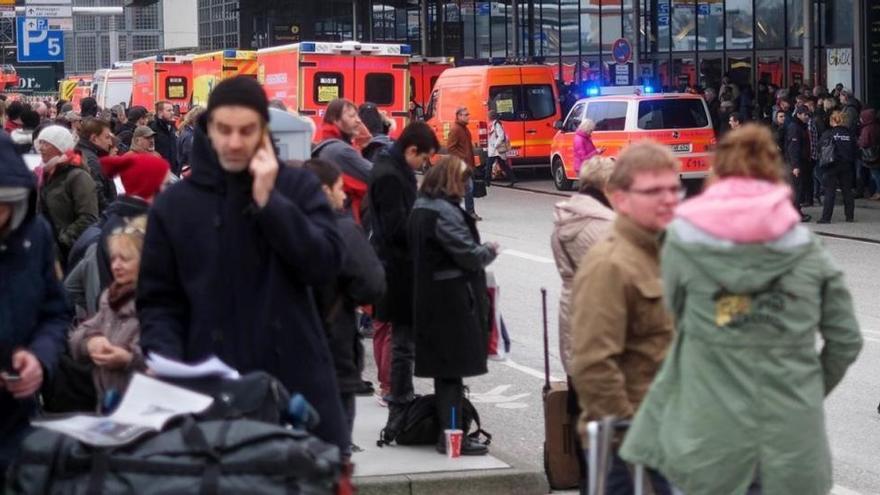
256, 395
211, 457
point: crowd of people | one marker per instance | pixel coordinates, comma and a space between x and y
215, 247
805, 120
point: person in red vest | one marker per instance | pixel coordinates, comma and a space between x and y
341, 125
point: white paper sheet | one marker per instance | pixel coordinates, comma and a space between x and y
169, 368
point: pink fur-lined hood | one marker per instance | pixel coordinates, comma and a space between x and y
742, 210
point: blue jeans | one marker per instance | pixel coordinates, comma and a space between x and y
469, 196
875, 174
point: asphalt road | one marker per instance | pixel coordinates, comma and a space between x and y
509, 397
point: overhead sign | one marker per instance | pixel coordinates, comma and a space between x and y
621, 50
39, 45
48, 2
7, 12
48, 11
42, 24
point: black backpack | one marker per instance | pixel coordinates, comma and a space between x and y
422, 427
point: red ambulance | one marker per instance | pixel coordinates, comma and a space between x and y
307, 76
162, 77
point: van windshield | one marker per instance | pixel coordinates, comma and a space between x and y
672, 114
526, 102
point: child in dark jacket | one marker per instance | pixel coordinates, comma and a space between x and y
361, 281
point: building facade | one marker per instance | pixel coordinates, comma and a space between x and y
674, 42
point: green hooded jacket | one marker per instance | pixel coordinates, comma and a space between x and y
741, 391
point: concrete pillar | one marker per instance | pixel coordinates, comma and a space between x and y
859, 60
114, 41
423, 20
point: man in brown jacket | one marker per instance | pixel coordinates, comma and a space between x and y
620, 329
460, 143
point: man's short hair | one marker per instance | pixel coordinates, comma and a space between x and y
460, 110
336, 108
92, 126
644, 156
420, 135
328, 173
595, 173
372, 119
136, 113
161, 104
737, 117
14, 110
30, 119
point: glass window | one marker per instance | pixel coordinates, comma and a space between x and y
795, 23
379, 89
739, 24
608, 115
574, 118
795, 69
500, 43
589, 18
770, 70
710, 24
505, 100
739, 68
569, 28
664, 15
175, 88
672, 114
432, 106
683, 25
611, 29
540, 103
711, 68
684, 72
839, 22
769, 23
481, 21
328, 87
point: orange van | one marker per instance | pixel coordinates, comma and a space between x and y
678, 120
423, 75
524, 96
163, 77
307, 76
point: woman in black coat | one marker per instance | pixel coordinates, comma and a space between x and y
451, 306
839, 173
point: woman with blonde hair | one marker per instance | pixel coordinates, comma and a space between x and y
738, 402
111, 338
584, 149
579, 223
450, 300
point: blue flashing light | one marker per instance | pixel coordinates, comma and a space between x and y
593, 91
307, 47
648, 89
229, 53
405, 50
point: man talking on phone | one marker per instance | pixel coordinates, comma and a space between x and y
231, 251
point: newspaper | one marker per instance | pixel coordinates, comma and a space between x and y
147, 406
164, 367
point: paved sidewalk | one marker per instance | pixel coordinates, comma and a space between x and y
866, 225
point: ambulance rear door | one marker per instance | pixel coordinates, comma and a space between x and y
383, 80
324, 78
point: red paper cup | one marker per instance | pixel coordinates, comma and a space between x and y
453, 443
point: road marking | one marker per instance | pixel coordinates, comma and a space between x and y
496, 396
839, 490
527, 256
529, 371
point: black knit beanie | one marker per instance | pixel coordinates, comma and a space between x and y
240, 91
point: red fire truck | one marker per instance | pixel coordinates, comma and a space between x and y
163, 77
307, 76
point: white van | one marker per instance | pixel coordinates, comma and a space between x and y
112, 87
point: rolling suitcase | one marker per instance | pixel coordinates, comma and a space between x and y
599, 440
561, 462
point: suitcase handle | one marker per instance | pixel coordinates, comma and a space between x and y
599, 435
546, 341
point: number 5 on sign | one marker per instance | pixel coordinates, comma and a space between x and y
38, 45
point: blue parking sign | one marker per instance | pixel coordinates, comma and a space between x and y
36, 44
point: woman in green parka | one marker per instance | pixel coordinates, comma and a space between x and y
738, 403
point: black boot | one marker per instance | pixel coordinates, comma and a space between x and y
396, 416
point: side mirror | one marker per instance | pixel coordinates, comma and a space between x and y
557, 125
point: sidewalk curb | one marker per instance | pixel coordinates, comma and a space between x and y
488, 482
